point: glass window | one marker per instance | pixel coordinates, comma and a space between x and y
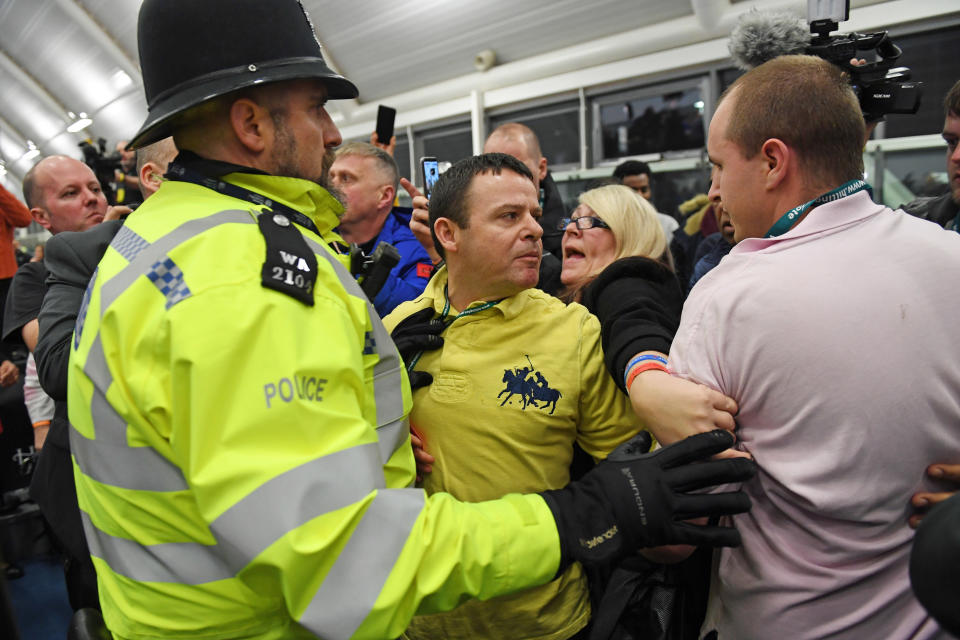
673, 188
934, 59
557, 127
651, 121
402, 155
448, 144
923, 172
728, 76
670, 188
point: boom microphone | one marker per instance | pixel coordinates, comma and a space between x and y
761, 36
764, 35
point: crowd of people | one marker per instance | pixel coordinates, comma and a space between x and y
544, 420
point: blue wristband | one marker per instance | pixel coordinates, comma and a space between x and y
644, 358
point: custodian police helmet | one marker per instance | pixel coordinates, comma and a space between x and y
195, 50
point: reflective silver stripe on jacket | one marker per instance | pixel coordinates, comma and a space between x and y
246, 529
145, 256
176, 562
278, 506
128, 243
110, 459
295, 497
355, 581
392, 427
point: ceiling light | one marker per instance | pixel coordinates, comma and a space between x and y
120, 79
79, 123
31, 152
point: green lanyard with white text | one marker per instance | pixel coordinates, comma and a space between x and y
788, 219
446, 312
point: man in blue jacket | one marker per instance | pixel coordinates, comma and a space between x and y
367, 177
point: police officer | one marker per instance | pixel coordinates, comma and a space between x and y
243, 461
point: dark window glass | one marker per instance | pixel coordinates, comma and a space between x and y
727, 77
673, 188
448, 144
922, 171
557, 127
934, 59
402, 155
651, 123
670, 188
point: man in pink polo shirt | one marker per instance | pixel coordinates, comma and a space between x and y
824, 324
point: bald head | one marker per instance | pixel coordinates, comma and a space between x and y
519, 141
64, 195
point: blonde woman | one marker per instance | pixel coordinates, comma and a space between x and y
610, 223
616, 262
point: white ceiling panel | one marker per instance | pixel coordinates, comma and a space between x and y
12, 145
27, 112
118, 20
122, 118
81, 55
390, 47
61, 62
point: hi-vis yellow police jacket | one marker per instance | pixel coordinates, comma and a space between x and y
242, 459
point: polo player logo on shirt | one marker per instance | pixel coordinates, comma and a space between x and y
531, 386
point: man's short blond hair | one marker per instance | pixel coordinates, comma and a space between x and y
384, 161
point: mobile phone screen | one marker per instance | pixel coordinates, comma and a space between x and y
431, 172
385, 118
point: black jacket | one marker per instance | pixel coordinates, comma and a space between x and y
638, 302
940, 209
553, 210
71, 258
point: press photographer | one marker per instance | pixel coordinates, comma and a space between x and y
116, 171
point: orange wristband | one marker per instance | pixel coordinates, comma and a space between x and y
640, 368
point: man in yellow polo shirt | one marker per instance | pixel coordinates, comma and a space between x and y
519, 380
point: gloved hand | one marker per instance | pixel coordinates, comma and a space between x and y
416, 333
635, 499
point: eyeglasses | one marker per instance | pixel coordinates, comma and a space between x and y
583, 222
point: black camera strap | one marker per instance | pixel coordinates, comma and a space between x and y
179, 171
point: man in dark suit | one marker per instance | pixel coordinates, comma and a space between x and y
71, 259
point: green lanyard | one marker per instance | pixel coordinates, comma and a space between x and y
788, 219
446, 323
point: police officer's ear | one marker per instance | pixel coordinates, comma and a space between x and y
448, 234
151, 177
251, 124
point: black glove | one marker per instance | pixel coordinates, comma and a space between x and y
634, 499
416, 333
